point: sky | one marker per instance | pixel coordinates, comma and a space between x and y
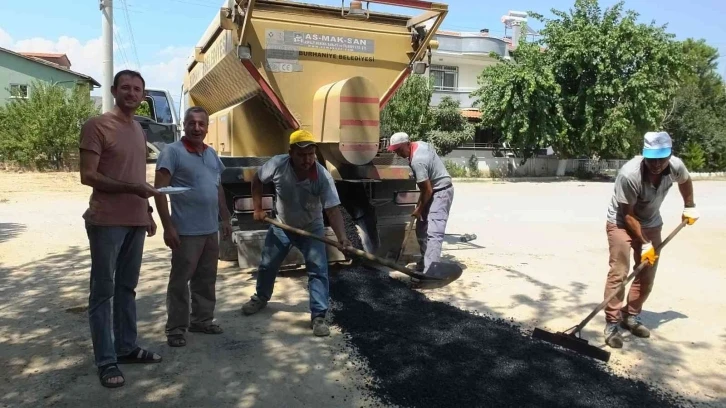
157, 36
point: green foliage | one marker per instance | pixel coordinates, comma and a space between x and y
601, 79
406, 110
455, 170
447, 128
693, 156
472, 166
698, 113
520, 98
42, 130
144, 109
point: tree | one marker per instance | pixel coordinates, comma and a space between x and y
144, 110
520, 97
614, 78
698, 112
43, 129
447, 128
407, 109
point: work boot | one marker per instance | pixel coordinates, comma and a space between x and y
612, 335
253, 306
632, 323
320, 328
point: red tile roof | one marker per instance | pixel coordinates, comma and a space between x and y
471, 113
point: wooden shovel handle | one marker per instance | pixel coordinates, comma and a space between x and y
632, 276
348, 249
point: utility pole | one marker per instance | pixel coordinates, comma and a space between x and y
106, 7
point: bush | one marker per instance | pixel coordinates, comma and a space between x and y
455, 170
694, 156
473, 166
43, 131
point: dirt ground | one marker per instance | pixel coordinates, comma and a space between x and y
540, 258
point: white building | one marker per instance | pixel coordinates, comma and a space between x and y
455, 68
457, 63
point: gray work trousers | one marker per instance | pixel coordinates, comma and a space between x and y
430, 229
193, 269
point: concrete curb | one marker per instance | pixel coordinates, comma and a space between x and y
512, 179
718, 176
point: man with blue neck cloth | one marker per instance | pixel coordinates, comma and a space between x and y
634, 221
304, 188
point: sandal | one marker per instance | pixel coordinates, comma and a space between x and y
139, 356
176, 340
208, 329
109, 371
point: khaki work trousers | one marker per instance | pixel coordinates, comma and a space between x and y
193, 269
620, 243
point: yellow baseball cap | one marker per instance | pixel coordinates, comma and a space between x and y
302, 138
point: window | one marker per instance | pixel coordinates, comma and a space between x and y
161, 107
19, 91
445, 77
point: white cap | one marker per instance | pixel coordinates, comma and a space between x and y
657, 145
396, 140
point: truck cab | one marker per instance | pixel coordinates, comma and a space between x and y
162, 126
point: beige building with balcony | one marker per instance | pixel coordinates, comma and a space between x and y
455, 68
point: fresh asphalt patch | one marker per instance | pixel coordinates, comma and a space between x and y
423, 353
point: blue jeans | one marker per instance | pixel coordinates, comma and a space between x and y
277, 246
115, 263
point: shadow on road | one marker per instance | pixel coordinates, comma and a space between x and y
9, 230
566, 304
269, 359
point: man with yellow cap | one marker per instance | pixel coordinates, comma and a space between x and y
304, 188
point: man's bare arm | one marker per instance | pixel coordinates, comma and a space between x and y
223, 210
426, 193
163, 179
631, 223
256, 193
336, 223
686, 190
92, 178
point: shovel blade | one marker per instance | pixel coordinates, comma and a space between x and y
443, 271
438, 275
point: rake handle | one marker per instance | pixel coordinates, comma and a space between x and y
349, 249
632, 276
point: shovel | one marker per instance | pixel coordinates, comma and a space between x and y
439, 272
571, 339
405, 238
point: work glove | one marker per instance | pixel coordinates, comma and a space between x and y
648, 253
690, 215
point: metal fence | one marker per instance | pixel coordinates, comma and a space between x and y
595, 166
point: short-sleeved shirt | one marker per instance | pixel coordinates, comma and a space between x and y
121, 146
427, 165
299, 203
632, 187
196, 211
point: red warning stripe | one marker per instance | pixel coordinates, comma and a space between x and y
358, 122
359, 99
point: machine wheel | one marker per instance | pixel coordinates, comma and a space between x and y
358, 236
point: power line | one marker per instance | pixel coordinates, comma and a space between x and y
131, 33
